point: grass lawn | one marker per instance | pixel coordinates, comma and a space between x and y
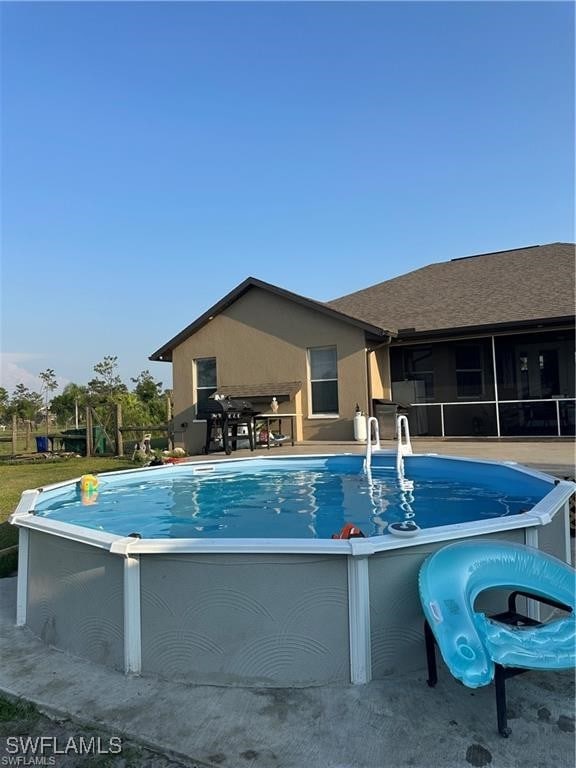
15, 478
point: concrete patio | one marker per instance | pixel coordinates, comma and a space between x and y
555, 457
394, 722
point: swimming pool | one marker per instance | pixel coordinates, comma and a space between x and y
225, 572
292, 498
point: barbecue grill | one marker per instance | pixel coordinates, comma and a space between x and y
223, 417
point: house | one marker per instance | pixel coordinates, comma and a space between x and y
484, 345
477, 346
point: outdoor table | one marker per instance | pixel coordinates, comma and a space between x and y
270, 418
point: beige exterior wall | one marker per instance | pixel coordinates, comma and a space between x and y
379, 363
264, 338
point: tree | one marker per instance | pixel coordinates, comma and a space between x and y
24, 403
108, 383
49, 384
134, 411
147, 390
64, 406
105, 391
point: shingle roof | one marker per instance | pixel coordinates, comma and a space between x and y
526, 284
261, 390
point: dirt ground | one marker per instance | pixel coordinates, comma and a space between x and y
21, 719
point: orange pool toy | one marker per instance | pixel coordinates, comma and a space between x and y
349, 531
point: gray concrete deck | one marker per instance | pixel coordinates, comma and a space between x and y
394, 722
555, 457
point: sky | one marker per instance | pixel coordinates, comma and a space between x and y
154, 155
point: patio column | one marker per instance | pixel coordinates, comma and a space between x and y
298, 421
495, 385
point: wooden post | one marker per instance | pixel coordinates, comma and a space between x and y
169, 423
28, 432
88, 431
14, 435
119, 439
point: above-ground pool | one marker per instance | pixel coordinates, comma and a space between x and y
293, 498
226, 572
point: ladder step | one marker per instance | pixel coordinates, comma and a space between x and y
383, 468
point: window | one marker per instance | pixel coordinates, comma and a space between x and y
524, 375
549, 372
534, 366
205, 378
469, 378
323, 363
417, 366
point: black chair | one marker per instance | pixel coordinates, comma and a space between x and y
501, 674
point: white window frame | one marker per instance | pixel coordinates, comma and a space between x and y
311, 414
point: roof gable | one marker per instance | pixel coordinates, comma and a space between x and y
164, 353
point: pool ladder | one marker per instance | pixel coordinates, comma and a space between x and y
403, 444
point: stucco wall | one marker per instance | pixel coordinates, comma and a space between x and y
263, 338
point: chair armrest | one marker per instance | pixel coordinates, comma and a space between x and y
539, 598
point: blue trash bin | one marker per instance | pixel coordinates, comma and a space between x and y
42, 444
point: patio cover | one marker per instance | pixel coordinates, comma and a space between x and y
269, 389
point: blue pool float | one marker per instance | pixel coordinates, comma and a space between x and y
470, 643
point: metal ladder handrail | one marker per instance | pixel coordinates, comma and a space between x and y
403, 448
372, 420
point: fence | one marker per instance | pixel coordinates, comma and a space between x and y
92, 438
20, 438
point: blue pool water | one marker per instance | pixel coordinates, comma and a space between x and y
294, 498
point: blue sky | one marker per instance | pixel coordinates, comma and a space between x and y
156, 154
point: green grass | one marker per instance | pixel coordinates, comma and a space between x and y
17, 709
8, 537
15, 478
8, 561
